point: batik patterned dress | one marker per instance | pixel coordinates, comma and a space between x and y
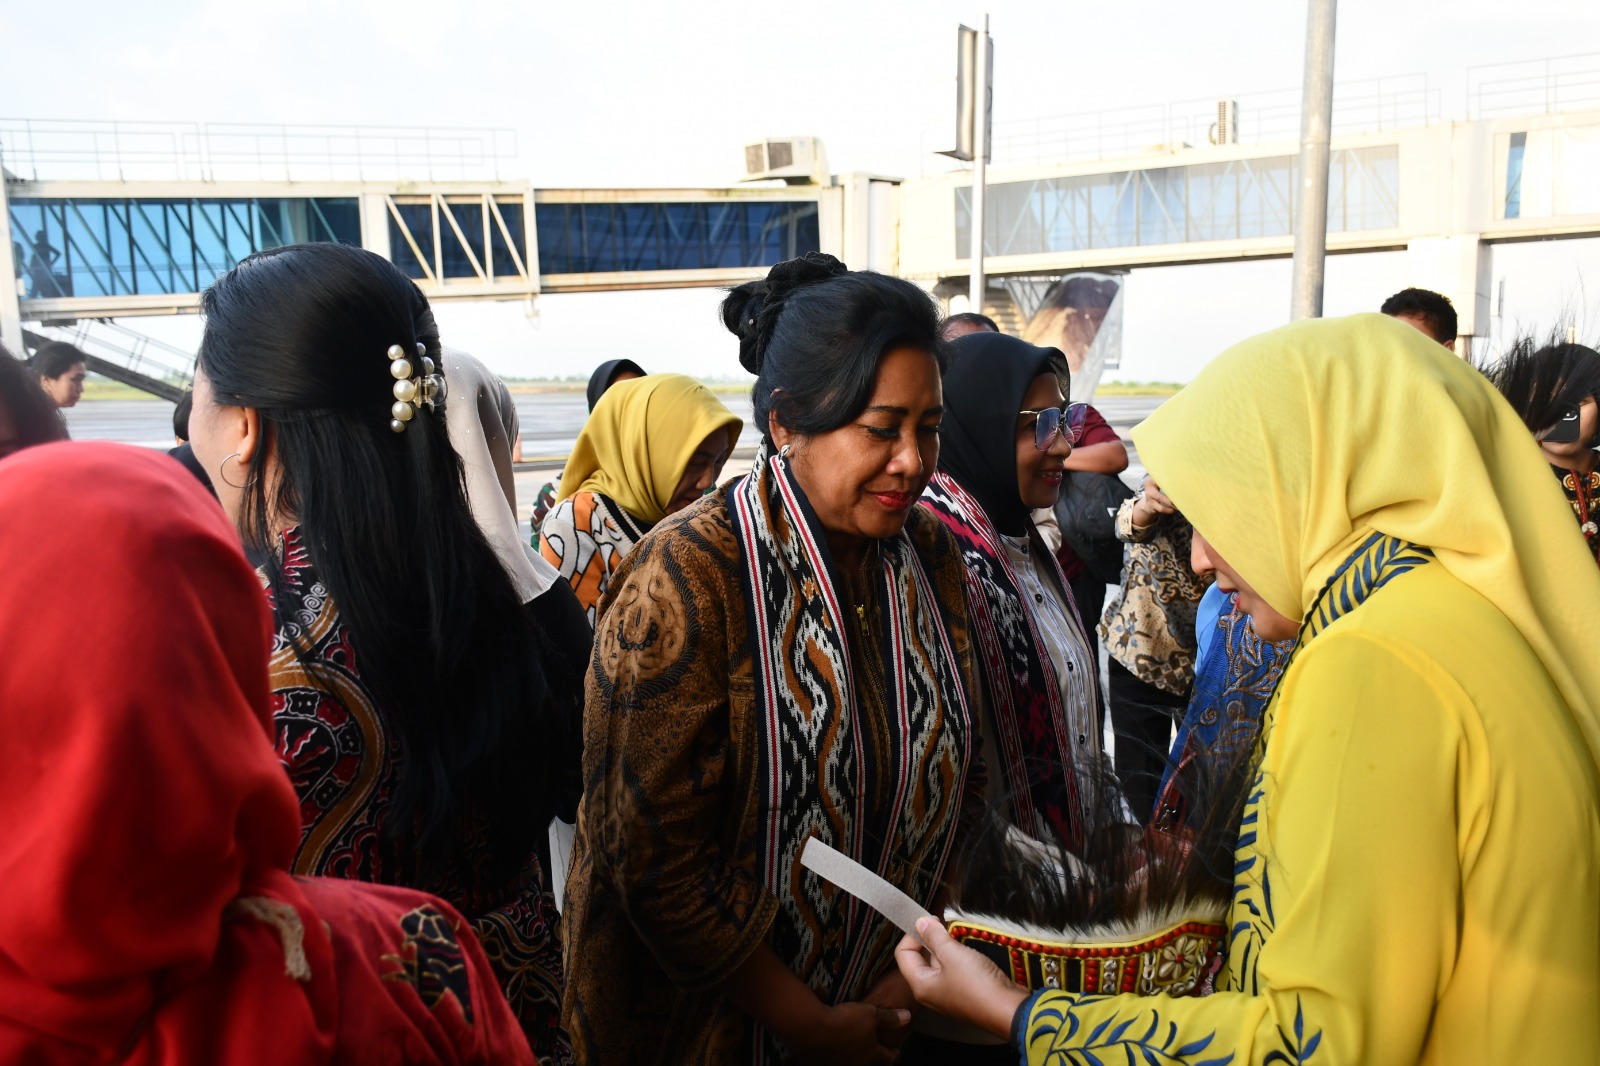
344, 758
586, 537
1394, 900
1148, 626
700, 789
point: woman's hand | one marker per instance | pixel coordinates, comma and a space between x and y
957, 981
852, 1033
1153, 504
865, 1033
891, 993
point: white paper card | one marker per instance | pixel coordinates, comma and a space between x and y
862, 883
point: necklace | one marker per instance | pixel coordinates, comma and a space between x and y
1581, 490
861, 591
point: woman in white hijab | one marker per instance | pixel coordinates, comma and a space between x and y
482, 422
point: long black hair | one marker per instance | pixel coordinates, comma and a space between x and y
54, 358
452, 658
814, 333
1539, 378
34, 416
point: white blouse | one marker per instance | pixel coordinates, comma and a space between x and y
1057, 621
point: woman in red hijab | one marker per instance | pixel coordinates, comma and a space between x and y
149, 917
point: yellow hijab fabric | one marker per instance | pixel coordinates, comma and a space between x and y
1292, 447
639, 439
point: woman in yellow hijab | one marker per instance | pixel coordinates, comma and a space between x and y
651, 446
1417, 877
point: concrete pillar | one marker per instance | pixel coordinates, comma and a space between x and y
375, 224
1460, 267
1311, 197
868, 221
831, 232
10, 284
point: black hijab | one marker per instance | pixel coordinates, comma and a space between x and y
988, 376
605, 374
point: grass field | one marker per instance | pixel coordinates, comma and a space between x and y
99, 388
527, 385
1137, 388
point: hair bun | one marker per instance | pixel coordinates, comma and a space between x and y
751, 310
741, 313
808, 269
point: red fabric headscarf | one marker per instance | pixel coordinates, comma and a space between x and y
148, 916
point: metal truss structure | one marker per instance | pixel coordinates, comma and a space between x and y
440, 238
96, 247
589, 238
1233, 200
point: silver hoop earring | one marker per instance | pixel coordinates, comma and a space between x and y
222, 472
783, 452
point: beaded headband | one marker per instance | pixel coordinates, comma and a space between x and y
411, 389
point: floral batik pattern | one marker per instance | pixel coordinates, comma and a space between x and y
1148, 625
431, 961
1051, 1028
344, 760
1054, 1036
1231, 690
586, 537
1379, 560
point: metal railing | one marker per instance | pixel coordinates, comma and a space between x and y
1561, 83
127, 348
1368, 104
65, 149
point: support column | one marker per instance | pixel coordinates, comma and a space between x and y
1316, 124
375, 224
980, 160
10, 283
1460, 267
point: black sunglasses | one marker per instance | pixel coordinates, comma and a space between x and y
1068, 420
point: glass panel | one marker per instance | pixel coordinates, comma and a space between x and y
604, 238
1514, 154
469, 217
511, 213
418, 219
1371, 187
39, 243
1160, 206
155, 266
1168, 205
1215, 202
807, 233
335, 220
124, 247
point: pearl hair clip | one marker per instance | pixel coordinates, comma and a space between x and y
411, 389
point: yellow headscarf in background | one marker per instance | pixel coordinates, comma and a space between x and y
1291, 448
639, 439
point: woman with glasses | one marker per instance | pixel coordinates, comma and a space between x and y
1006, 433
1415, 879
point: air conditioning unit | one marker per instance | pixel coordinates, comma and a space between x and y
796, 160
1226, 129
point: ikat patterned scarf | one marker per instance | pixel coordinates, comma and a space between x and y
818, 766
1023, 689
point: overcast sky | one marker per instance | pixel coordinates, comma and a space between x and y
625, 92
